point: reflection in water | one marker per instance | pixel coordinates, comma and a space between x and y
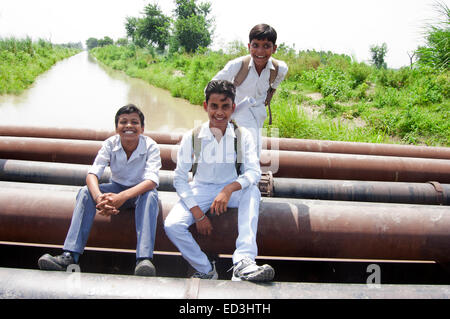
78, 92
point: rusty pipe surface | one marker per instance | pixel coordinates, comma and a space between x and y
35, 284
388, 192
287, 227
281, 163
286, 144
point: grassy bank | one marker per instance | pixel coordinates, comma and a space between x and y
325, 96
22, 60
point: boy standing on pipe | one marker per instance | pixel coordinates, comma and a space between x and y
256, 77
226, 172
135, 162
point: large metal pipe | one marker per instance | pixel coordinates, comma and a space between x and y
287, 227
35, 284
286, 144
388, 192
281, 163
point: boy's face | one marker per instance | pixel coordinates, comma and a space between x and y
219, 109
129, 127
261, 51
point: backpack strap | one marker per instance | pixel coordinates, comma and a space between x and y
243, 71
197, 146
271, 91
238, 147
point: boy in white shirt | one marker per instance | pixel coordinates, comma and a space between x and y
256, 78
217, 184
135, 161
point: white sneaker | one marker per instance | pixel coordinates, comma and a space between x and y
212, 275
246, 269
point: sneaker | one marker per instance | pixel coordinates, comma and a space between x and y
60, 262
246, 269
144, 268
212, 275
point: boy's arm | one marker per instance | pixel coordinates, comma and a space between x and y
181, 184
109, 203
184, 165
282, 71
229, 71
251, 174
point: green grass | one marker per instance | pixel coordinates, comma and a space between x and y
357, 101
22, 60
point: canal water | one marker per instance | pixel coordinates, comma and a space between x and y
78, 92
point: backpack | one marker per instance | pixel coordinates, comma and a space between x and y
242, 75
197, 145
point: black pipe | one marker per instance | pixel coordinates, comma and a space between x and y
368, 191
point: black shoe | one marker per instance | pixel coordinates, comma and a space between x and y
60, 262
145, 268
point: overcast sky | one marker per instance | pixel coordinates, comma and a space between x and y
341, 26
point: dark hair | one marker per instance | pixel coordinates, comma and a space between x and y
263, 31
128, 109
220, 87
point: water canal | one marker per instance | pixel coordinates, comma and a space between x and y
78, 92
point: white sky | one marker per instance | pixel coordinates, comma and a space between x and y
344, 26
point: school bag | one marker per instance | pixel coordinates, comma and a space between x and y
242, 75
197, 145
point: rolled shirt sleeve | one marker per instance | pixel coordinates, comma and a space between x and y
102, 160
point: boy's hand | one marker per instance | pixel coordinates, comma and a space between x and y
108, 204
220, 203
204, 227
203, 224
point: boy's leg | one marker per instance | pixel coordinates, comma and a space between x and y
176, 226
247, 201
180, 219
83, 217
146, 214
245, 267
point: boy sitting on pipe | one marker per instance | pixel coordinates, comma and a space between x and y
135, 162
225, 166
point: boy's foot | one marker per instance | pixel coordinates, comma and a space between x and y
212, 275
60, 262
145, 268
246, 269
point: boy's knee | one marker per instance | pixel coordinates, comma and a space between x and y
173, 227
83, 192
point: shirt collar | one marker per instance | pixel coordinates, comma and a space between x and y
140, 149
205, 132
269, 64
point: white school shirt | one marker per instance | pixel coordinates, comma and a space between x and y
144, 163
255, 86
216, 163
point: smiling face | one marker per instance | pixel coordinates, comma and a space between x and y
129, 127
219, 108
261, 51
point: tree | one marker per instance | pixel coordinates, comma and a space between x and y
436, 51
91, 43
155, 26
378, 54
193, 29
152, 29
105, 41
